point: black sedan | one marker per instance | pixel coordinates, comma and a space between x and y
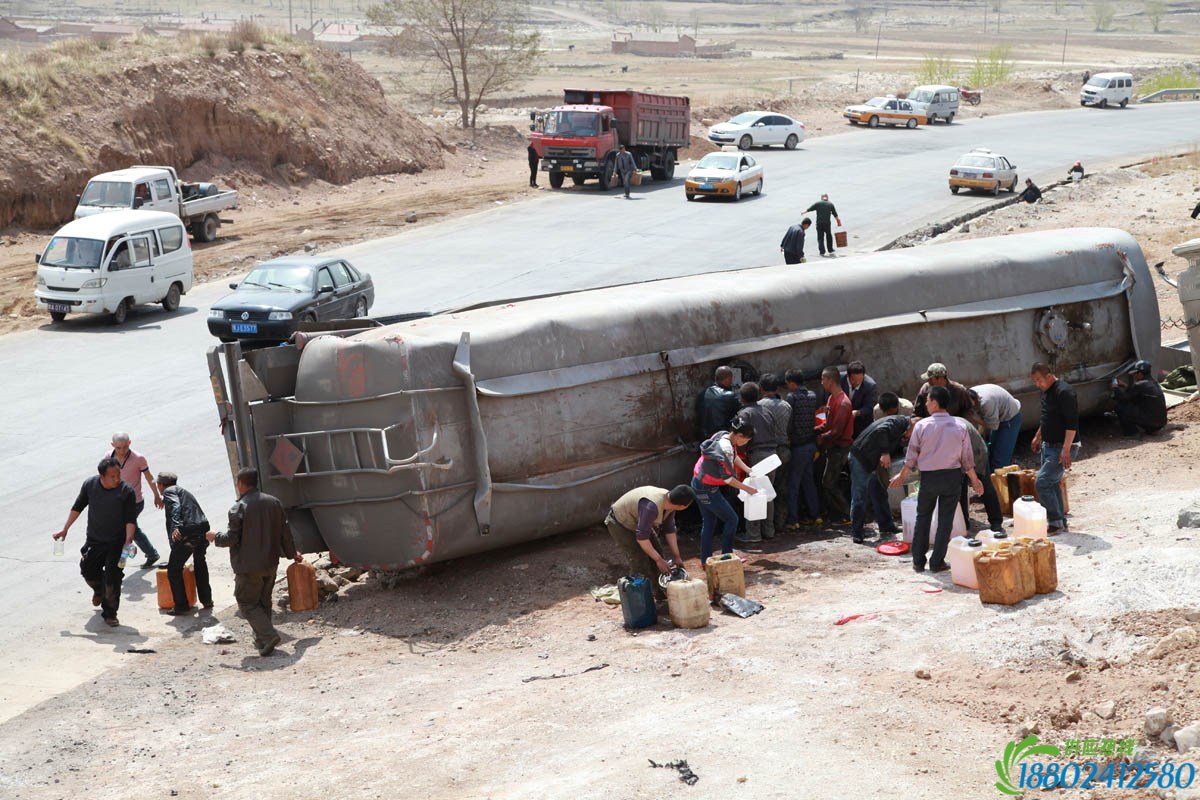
278, 295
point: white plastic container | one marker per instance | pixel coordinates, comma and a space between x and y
961, 556
687, 603
1029, 519
908, 520
754, 507
994, 540
766, 466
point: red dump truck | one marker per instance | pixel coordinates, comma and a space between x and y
580, 138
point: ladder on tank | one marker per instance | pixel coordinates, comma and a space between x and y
348, 451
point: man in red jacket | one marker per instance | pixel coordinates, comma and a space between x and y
834, 438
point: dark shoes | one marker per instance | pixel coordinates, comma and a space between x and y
96, 598
150, 561
179, 612
269, 648
859, 539
111, 622
939, 568
918, 567
1057, 528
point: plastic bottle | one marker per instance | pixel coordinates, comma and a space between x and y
129, 551
60, 547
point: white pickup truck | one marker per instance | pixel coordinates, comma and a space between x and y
158, 189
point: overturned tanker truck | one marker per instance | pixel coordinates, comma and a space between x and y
454, 434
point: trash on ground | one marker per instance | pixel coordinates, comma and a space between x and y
533, 678
217, 634
685, 772
741, 606
607, 594
140, 650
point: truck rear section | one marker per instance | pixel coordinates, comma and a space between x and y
581, 138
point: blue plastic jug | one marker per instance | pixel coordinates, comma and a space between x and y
637, 601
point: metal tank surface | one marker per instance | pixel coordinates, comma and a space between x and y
464, 432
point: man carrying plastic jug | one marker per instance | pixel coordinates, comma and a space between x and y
186, 529
1053, 440
112, 522
258, 534
940, 448
636, 521
767, 438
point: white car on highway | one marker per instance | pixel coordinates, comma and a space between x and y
759, 128
983, 170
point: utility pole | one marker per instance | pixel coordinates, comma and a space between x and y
291, 28
878, 35
1064, 55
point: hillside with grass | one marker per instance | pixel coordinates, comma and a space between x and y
245, 104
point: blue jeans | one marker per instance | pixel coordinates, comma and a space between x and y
1049, 480
867, 495
800, 476
1003, 442
713, 506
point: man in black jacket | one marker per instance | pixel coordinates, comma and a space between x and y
1142, 407
792, 245
802, 437
186, 529
871, 452
1032, 193
862, 391
766, 441
717, 404
112, 522
258, 535
533, 166
1053, 440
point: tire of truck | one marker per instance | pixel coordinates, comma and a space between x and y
746, 142
121, 313
556, 180
59, 316
578, 180
606, 174
205, 230
171, 301
668, 169
873, 122
791, 142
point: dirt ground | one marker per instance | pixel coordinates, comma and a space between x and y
500, 677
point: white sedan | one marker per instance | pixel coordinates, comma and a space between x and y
724, 175
759, 128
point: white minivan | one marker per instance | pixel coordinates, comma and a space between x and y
108, 263
939, 102
1106, 89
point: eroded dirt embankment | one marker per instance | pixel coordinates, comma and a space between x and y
285, 114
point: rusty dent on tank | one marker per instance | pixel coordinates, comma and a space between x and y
454, 434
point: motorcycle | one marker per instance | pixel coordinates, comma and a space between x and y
972, 96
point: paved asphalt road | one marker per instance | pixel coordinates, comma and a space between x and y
69, 387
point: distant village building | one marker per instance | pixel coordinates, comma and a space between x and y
682, 46
14, 32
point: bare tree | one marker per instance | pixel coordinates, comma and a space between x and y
1102, 14
474, 45
694, 20
1155, 9
861, 12
656, 16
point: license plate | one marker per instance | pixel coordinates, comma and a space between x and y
706, 187
245, 327
568, 169
59, 308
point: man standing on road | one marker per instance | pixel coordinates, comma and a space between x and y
802, 437
762, 447
834, 438
134, 468
961, 403
626, 166
1000, 413
862, 391
825, 212
1053, 440
258, 534
533, 166
792, 245
1142, 407
718, 403
186, 529
870, 455
112, 520
940, 448
636, 521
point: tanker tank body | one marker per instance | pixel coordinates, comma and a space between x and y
464, 432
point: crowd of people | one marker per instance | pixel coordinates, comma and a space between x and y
951, 436
257, 536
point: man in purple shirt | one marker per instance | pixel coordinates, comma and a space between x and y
940, 448
635, 522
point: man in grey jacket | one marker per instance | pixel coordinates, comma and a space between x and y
626, 166
258, 534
